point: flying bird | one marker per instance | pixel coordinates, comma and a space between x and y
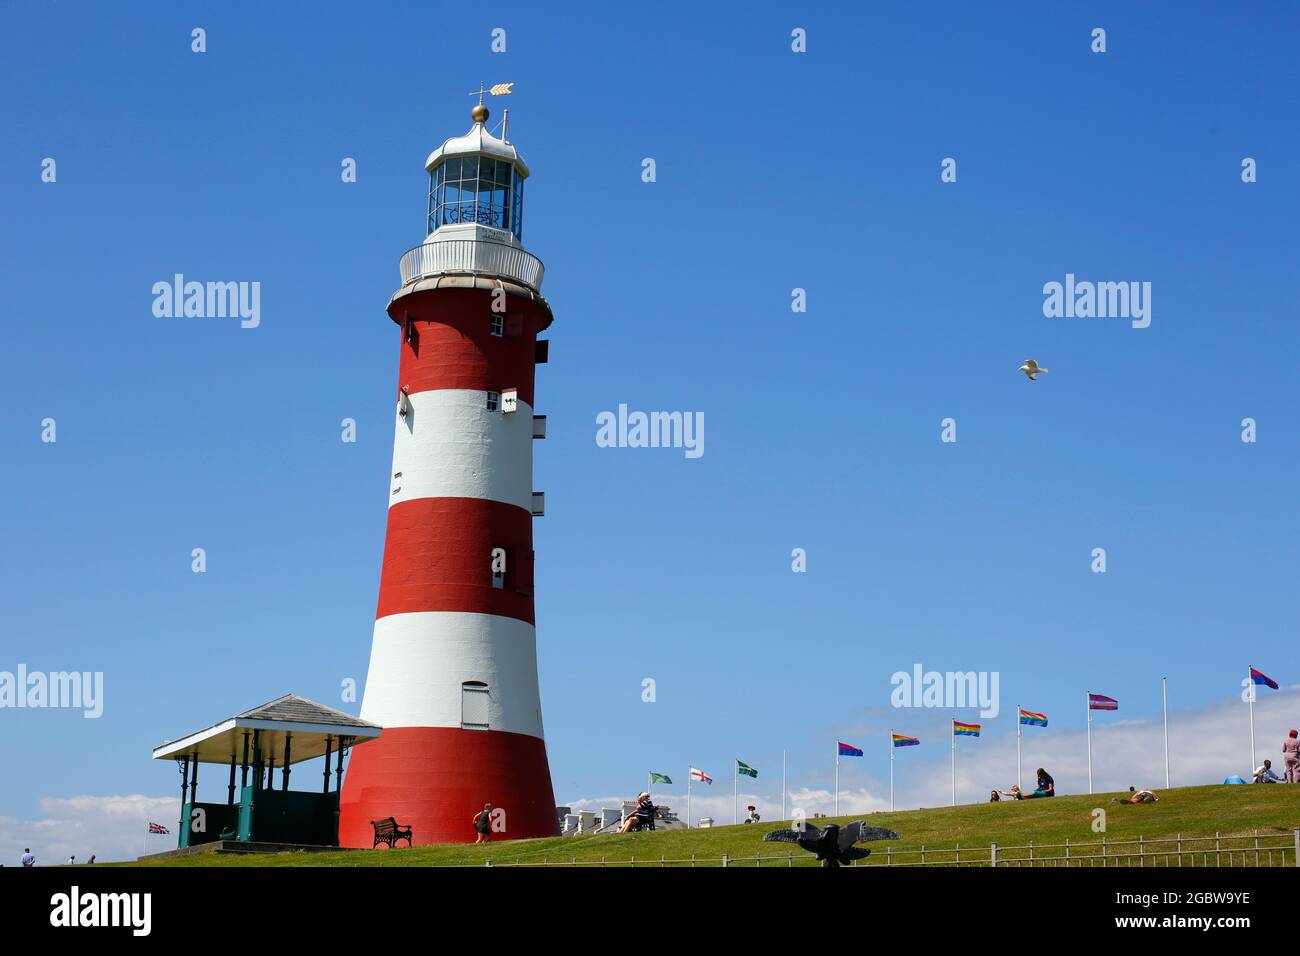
833, 845
1032, 368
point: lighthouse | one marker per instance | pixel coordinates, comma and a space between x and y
453, 661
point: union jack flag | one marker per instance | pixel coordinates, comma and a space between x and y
158, 828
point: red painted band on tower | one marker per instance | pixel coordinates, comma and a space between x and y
435, 779
437, 557
454, 346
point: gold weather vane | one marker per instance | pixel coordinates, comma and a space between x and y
501, 89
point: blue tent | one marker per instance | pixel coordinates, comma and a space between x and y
1233, 779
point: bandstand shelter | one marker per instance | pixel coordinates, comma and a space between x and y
275, 736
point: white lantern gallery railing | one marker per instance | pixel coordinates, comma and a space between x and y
472, 257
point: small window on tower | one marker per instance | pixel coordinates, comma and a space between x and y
493, 401
498, 324
498, 567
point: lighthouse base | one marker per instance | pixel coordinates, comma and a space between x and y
435, 779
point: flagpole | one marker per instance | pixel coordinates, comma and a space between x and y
1019, 776
735, 792
688, 798
782, 784
1087, 702
891, 769
1250, 682
1164, 702
837, 778
952, 733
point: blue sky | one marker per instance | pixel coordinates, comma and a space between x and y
775, 171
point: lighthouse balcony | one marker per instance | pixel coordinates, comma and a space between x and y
482, 255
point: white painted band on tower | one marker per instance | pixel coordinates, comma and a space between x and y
450, 445
420, 660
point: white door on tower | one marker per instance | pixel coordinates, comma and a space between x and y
474, 699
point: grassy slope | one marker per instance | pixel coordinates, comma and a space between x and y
1194, 811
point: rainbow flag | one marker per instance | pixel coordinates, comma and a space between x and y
1030, 719
965, 730
902, 740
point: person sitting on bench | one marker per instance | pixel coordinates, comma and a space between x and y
641, 818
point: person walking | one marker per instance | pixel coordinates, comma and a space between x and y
483, 824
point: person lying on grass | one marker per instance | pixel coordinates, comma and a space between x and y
1145, 795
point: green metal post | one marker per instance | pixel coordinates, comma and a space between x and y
181, 831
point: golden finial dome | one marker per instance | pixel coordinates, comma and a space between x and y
479, 113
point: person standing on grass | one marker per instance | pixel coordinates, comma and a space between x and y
27, 858
1291, 751
483, 824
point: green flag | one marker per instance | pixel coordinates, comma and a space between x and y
746, 770
660, 777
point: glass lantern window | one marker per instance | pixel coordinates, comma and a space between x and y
476, 189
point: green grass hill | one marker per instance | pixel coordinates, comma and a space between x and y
1237, 813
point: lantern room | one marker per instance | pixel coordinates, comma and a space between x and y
477, 179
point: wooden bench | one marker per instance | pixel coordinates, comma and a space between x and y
389, 831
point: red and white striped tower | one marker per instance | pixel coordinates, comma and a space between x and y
453, 664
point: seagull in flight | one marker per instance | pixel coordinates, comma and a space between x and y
1032, 368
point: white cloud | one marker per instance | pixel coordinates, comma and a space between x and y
1205, 745
112, 828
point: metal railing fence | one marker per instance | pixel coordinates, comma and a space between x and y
1250, 850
